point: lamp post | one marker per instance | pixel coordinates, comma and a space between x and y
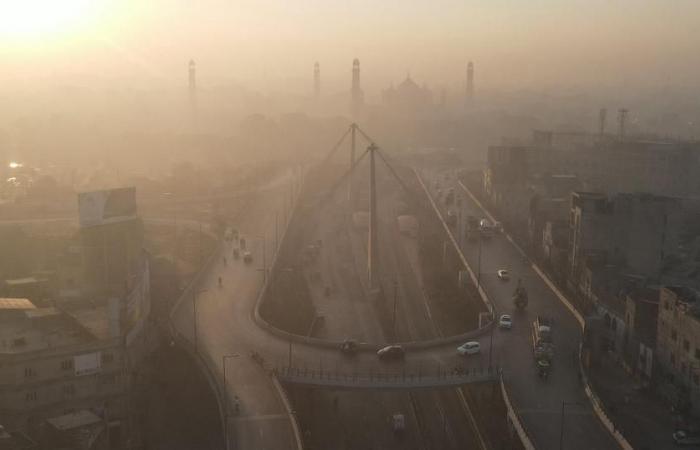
223, 366
194, 315
561, 431
393, 317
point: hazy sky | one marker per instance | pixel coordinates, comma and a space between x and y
273, 43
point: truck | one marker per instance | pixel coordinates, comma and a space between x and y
520, 299
542, 342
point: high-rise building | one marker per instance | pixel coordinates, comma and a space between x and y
470, 84
357, 95
317, 80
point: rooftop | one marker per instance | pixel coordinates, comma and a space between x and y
36, 329
16, 304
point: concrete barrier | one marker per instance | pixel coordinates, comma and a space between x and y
290, 412
515, 419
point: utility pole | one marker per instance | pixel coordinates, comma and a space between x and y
393, 317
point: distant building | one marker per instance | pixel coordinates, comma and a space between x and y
678, 341
408, 98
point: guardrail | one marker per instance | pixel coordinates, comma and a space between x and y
515, 419
595, 401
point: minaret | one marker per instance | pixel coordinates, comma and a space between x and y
357, 97
470, 84
193, 89
317, 80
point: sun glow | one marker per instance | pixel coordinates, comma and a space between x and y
37, 18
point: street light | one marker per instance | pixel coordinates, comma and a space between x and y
194, 314
561, 432
223, 366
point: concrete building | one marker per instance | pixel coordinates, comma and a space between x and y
641, 323
600, 163
82, 350
678, 341
635, 231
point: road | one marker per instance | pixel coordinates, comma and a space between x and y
437, 419
538, 402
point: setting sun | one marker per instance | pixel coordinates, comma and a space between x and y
34, 18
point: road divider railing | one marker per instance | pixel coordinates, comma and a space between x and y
593, 398
415, 378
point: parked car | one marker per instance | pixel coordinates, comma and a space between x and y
391, 352
505, 322
682, 437
348, 347
503, 275
469, 348
247, 257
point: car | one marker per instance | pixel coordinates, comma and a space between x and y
469, 348
503, 275
348, 347
505, 321
247, 257
391, 352
682, 437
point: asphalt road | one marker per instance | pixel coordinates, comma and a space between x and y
538, 402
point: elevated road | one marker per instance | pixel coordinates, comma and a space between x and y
540, 404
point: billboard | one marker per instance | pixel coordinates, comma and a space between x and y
87, 363
108, 206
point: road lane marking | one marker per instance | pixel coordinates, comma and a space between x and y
260, 417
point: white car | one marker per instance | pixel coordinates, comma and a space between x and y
505, 322
503, 275
469, 348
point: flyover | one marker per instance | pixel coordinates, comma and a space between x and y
233, 329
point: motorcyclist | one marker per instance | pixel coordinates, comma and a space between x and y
220, 282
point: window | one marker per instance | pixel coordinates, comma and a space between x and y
108, 379
69, 390
697, 353
696, 379
614, 324
30, 396
107, 358
673, 360
674, 335
29, 372
67, 364
686, 345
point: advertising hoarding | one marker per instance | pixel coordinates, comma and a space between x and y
107, 206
